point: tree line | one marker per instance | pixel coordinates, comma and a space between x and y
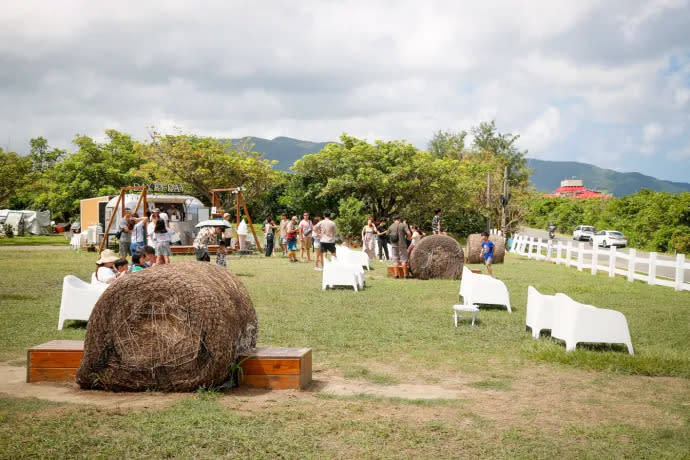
352, 178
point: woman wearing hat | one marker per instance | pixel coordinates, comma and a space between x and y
106, 266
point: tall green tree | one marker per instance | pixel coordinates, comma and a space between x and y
205, 163
448, 144
489, 141
94, 169
15, 172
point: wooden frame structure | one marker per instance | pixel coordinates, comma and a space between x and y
215, 201
121, 203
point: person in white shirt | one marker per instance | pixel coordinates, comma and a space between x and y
106, 266
161, 236
150, 228
162, 216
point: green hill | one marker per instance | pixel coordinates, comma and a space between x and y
547, 177
284, 149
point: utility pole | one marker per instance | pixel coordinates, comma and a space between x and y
504, 200
488, 202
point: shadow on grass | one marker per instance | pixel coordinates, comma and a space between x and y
75, 324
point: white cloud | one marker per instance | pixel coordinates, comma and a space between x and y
541, 133
652, 132
576, 79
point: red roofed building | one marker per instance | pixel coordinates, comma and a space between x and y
573, 188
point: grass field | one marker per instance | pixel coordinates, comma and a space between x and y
35, 240
393, 377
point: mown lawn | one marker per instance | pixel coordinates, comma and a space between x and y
517, 397
34, 240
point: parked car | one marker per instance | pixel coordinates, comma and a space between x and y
584, 232
608, 238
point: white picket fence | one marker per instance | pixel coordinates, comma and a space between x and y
604, 260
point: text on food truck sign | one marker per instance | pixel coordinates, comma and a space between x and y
166, 188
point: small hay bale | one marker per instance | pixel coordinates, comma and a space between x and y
437, 256
473, 250
168, 328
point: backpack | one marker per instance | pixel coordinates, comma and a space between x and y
393, 234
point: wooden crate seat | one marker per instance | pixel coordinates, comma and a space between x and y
265, 367
54, 361
277, 368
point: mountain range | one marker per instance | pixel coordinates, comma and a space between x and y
546, 177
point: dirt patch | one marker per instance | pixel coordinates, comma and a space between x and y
542, 396
13, 383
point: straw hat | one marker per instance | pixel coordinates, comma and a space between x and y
107, 256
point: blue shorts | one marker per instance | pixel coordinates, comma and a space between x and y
292, 245
134, 246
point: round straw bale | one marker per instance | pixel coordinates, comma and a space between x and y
168, 328
473, 250
437, 256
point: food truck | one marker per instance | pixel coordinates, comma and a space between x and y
184, 212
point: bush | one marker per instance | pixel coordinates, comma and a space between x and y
7, 229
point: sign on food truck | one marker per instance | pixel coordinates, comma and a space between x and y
165, 188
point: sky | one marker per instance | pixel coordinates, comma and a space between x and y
606, 83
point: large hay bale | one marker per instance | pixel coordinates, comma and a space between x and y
437, 256
168, 328
473, 250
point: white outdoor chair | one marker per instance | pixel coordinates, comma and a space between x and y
356, 269
338, 275
541, 311
577, 322
483, 289
78, 299
351, 256
75, 241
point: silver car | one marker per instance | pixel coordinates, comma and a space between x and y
608, 238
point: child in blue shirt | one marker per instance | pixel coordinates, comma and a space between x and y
487, 252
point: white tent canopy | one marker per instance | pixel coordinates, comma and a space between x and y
34, 222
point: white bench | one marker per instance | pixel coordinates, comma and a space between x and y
574, 322
350, 256
483, 289
338, 274
541, 311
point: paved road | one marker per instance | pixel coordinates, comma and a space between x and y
642, 267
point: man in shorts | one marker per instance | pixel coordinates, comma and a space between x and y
326, 229
398, 234
487, 252
305, 237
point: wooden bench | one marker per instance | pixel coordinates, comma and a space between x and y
179, 249
265, 367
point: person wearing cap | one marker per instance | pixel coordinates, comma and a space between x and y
125, 234
227, 233
105, 273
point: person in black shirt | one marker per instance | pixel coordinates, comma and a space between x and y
382, 239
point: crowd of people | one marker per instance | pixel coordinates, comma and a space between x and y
147, 240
